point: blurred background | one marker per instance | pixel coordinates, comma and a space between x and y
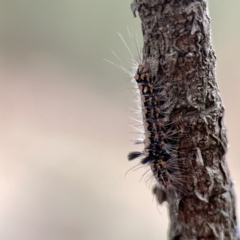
64, 133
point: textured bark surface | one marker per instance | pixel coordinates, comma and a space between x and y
178, 53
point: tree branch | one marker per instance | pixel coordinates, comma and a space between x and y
178, 67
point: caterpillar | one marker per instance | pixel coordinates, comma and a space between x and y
160, 135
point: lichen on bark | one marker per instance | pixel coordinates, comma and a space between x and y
178, 52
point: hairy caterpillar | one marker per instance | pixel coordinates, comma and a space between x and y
160, 136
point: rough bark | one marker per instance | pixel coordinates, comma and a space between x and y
178, 53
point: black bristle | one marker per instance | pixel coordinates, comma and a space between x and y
147, 159
133, 155
166, 157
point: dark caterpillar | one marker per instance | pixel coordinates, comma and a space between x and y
160, 138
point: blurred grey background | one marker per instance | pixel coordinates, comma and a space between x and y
64, 133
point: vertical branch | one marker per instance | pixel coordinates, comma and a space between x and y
178, 54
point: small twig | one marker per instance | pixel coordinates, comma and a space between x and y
193, 178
